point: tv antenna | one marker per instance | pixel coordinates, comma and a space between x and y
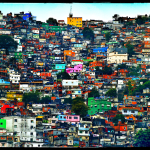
70, 15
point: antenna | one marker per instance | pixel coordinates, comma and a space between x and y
70, 9
70, 14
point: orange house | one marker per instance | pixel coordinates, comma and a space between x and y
131, 116
53, 98
45, 109
68, 53
48, 88
96, 63
45, 74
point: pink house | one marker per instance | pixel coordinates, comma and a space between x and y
77, 68
73, 118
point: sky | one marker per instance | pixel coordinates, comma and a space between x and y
93, 11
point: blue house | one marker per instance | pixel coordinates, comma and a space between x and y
26, 16
60, 66
4, 82
100, 49
61, 117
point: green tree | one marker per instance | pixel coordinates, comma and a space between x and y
31, 97
115, 16
39, 23
142, 138
107, 70
122, 43
117, 117
108, 36
7, 43
46, 99
87, 64
79, 107
130, 49
111, 93
93, 93
68, 100
63, 75
13, 60
52, 21
88, 33
130, 88
122, 66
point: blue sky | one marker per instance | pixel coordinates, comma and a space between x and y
60, 11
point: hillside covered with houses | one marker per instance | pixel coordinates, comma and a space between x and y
75, 84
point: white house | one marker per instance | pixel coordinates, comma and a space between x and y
66, 83
130, 111
24, 126
14, 77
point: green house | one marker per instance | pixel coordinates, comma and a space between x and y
3, 123
18, 55
36, 36
98, 105
29, 53
60, 66
104, 31
56, 28
45, 25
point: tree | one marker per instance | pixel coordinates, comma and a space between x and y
39, 23
12, 60
87, 64
122, 43
142, 138
7, 43
75, 77
63, 75
111, 93
46, 99
93, 93
130, 88
31, 97
79, 107
115, 16
68, 100
130, 49
88, 33
108, 36
52, 21
122, 66
117, 117
107, 70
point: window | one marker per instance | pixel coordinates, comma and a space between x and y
15, 120
31, 127
125, 111
38, 145
15, 126
132, 111
75, 117
31, 121
80, 131
1, 123
70, 117
53, 121
3, 144
31, 133
86, 132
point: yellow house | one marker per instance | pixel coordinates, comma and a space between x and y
15, 94
39, 119
74, 21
